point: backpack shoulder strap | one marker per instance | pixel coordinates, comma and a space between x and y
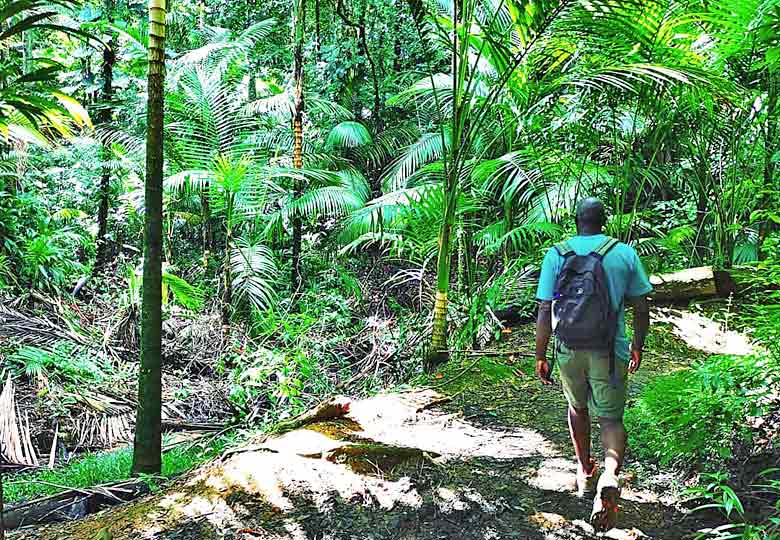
564, 249
606, 247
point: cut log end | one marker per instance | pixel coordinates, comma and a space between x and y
700, 282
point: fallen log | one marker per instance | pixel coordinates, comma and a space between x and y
72, 504
335, 407
371, 457
701, 282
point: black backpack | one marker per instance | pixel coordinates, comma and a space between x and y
581, 303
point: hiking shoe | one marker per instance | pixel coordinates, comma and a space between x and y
586, 483
605, 504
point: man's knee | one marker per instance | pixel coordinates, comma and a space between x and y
611, 423
579, 411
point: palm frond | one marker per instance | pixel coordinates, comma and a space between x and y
255, 274
348, 134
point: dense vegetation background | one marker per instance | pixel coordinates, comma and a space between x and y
351, 189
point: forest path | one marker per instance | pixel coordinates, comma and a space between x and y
485, 456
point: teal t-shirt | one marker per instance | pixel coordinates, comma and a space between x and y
626, 278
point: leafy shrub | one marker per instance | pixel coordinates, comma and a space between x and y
271, 377
105, 467
763, 523
696, 414
64, 362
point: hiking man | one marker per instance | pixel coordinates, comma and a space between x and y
583, 287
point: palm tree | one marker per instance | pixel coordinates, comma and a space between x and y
299, 26
219, 154
147, 451
32, 109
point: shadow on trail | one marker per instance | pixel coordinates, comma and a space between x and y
394, 468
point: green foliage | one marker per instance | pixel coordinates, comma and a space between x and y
63, 363
255, 274
183, 293
695, 415
32, 109
760, 524
106, 467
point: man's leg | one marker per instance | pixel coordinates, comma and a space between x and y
579, 429
608, 403
613, 440
574, 378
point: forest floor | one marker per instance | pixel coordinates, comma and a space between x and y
481, 453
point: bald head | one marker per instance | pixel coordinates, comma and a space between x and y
591, 215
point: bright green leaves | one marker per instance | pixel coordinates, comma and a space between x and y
348, 134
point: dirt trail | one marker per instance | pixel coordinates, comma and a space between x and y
486, 456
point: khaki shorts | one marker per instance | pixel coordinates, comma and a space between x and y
585, 379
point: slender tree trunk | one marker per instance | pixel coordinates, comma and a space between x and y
440, 335
147, 452
252, 90
360, 28
300, 22
208, 230
771, 148
318, 30
227, 296
28, 52
439, 339
109, 57
397, 44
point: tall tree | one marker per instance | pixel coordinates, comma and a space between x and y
299, 23
109, 57
460, 49
360, 28
148, 437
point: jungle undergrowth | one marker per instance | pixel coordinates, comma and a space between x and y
113, 466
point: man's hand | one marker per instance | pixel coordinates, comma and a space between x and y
543, 371
635, 362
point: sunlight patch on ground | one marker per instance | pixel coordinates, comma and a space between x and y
557, 474
702, 333
449, 501
273, 477
398, 420
548, 520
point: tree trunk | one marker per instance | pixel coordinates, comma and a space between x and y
103, 252
318, 29
397, 45
208, 231
147, 458
227, 297
300, 21
771, 148
439, 338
